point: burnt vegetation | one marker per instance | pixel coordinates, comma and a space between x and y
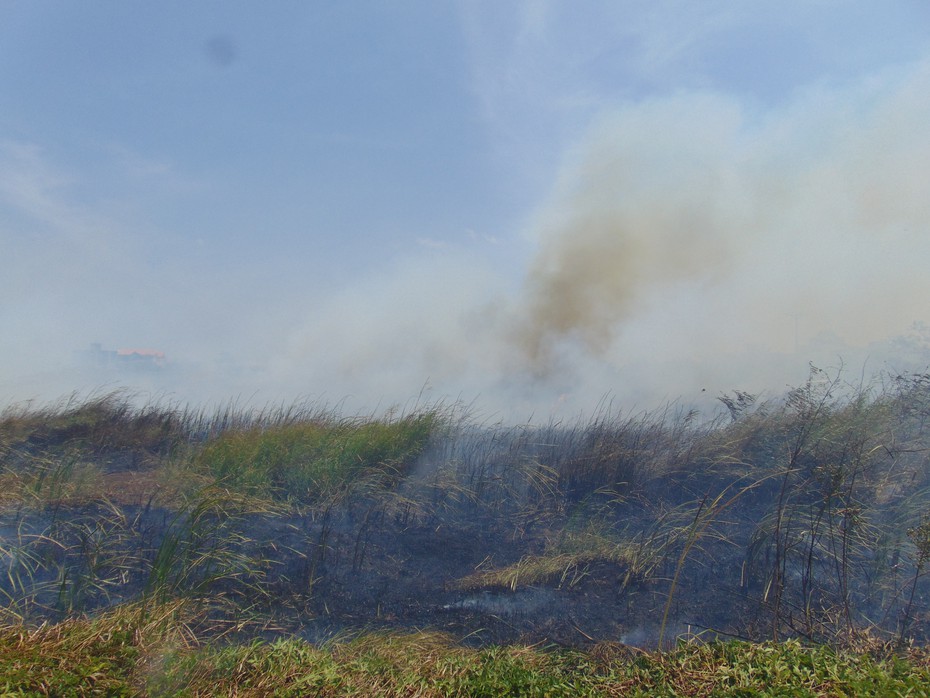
805, 517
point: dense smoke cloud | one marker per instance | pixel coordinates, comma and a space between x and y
654, 199
691, 244
695, 227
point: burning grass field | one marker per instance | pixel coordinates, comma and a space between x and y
779, 547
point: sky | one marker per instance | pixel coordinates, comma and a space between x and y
531, 207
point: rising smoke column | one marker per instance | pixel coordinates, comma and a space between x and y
685, 239
695, 224
649, 200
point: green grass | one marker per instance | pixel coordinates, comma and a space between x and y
128, 653
307, 460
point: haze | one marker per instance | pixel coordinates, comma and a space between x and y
528, 206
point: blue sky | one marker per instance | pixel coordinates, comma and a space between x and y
535, 203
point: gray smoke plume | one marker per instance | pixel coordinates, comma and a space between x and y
693, 240
648, 204
697, 227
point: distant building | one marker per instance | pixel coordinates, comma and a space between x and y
121, 359
96, 356
140, 357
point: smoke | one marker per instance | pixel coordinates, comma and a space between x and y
692, 243
700, 234
654, 199
424, 322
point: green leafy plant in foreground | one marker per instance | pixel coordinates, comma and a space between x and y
135, 651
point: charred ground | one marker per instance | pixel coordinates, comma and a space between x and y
807, 516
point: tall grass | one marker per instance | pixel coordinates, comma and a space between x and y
307, 460
796, 517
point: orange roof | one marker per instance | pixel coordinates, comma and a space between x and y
141, 352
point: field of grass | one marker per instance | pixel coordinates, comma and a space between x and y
134, 651
778, 548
